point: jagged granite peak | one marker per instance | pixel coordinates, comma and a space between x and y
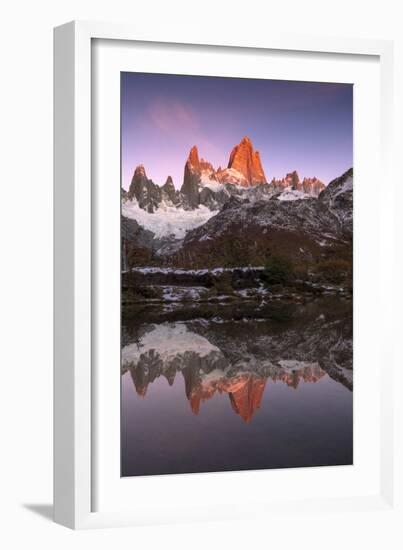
139, 178
198, 175
312, 186
293, 180
169, 188
205, 186
309, 186
191, 179
147, 193
245, 160
197, 163
170, 194
140, 171
193, 158
244, 169
169, 184
278, 183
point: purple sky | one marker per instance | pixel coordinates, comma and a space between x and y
300, 126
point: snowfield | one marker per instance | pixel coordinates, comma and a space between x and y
173, 221
167, 220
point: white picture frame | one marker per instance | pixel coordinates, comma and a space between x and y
76, 470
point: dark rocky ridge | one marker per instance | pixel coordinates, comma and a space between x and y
338, 199
302, 230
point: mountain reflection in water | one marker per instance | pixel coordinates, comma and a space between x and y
245, 362
170, 348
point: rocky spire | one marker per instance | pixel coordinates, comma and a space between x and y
310, 186
168, 185
191, 178
170, 192
293, 180
138, 180
193, 158
147, 193
313, 186
247, 162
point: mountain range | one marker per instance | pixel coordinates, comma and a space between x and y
203, 185
234, 216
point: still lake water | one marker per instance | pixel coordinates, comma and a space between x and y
207, 391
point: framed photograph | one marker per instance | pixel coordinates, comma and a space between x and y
221, 254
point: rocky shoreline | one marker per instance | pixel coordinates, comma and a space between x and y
219, 285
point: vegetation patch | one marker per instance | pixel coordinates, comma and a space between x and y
278, 271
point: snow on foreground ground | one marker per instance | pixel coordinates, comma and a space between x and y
167, 220
168, 341
181, 271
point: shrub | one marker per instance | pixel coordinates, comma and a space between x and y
223, 284
143, 293
334, 270
278, 270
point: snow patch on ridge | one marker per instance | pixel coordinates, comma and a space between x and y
347, 186
234, 177
292, 195
215, 186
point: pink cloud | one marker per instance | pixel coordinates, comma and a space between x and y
172, 116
